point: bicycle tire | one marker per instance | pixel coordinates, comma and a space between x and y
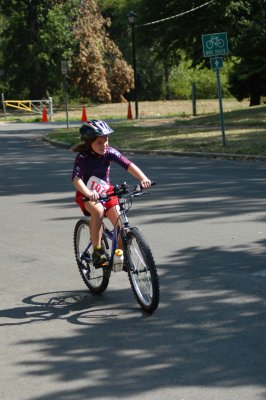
96, 279
142, 272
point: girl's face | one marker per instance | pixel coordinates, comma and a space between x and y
100, 144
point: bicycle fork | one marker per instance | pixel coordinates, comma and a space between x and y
126, 238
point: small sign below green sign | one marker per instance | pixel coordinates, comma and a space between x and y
215, 44
217, 62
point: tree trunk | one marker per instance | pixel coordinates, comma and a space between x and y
254, 97
167, 87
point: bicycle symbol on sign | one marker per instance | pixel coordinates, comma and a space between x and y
215, 42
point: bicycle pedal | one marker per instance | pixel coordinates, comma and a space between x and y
103, 264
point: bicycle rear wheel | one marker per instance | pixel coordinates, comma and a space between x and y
142, 271
96, 279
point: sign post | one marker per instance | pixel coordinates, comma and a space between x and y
64, 73
4, 104
220, 105
215, 45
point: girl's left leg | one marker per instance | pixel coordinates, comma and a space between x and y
113, 215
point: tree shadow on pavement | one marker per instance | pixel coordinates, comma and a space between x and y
208, 331
187, 189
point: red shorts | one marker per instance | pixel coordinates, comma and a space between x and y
113, 201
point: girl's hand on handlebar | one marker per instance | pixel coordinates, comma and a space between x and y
93, 195
145, 183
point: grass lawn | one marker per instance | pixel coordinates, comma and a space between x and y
245, 131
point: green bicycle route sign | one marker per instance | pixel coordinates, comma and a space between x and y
215, 44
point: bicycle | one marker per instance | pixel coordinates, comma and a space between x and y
138, 259
215, 42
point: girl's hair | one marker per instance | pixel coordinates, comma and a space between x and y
85, 146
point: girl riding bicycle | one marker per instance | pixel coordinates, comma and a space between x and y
91, 178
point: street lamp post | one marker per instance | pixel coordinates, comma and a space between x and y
131, 19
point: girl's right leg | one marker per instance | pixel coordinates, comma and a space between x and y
96, 212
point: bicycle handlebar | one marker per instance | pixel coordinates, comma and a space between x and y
121, 190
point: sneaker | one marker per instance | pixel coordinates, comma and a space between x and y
99, 259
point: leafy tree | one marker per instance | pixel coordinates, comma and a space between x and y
248, 76
119, 73
243, 20
182, 32
42, 33
99, 68
116, 11
36, 36
163, 40
158, 44
149, 67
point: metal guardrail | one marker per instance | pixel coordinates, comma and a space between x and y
34, 106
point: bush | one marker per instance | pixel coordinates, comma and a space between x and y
182, 77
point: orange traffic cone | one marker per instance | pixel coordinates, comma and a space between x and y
84, 116
44, 115
129, 112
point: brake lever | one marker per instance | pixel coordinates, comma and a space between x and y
138, 194
138, 188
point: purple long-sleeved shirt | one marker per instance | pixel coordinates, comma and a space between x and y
90, 164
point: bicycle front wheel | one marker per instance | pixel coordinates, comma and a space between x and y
96, 279
142, 271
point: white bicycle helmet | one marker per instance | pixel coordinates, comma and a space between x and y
95, 128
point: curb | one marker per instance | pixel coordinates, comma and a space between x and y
55, 142
244, 157
241, 157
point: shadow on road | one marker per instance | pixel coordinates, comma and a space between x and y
190, 191
207, 331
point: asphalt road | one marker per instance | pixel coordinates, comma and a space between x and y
206, 225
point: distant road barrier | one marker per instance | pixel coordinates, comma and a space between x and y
33, 106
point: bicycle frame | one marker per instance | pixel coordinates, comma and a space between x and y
113, 234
